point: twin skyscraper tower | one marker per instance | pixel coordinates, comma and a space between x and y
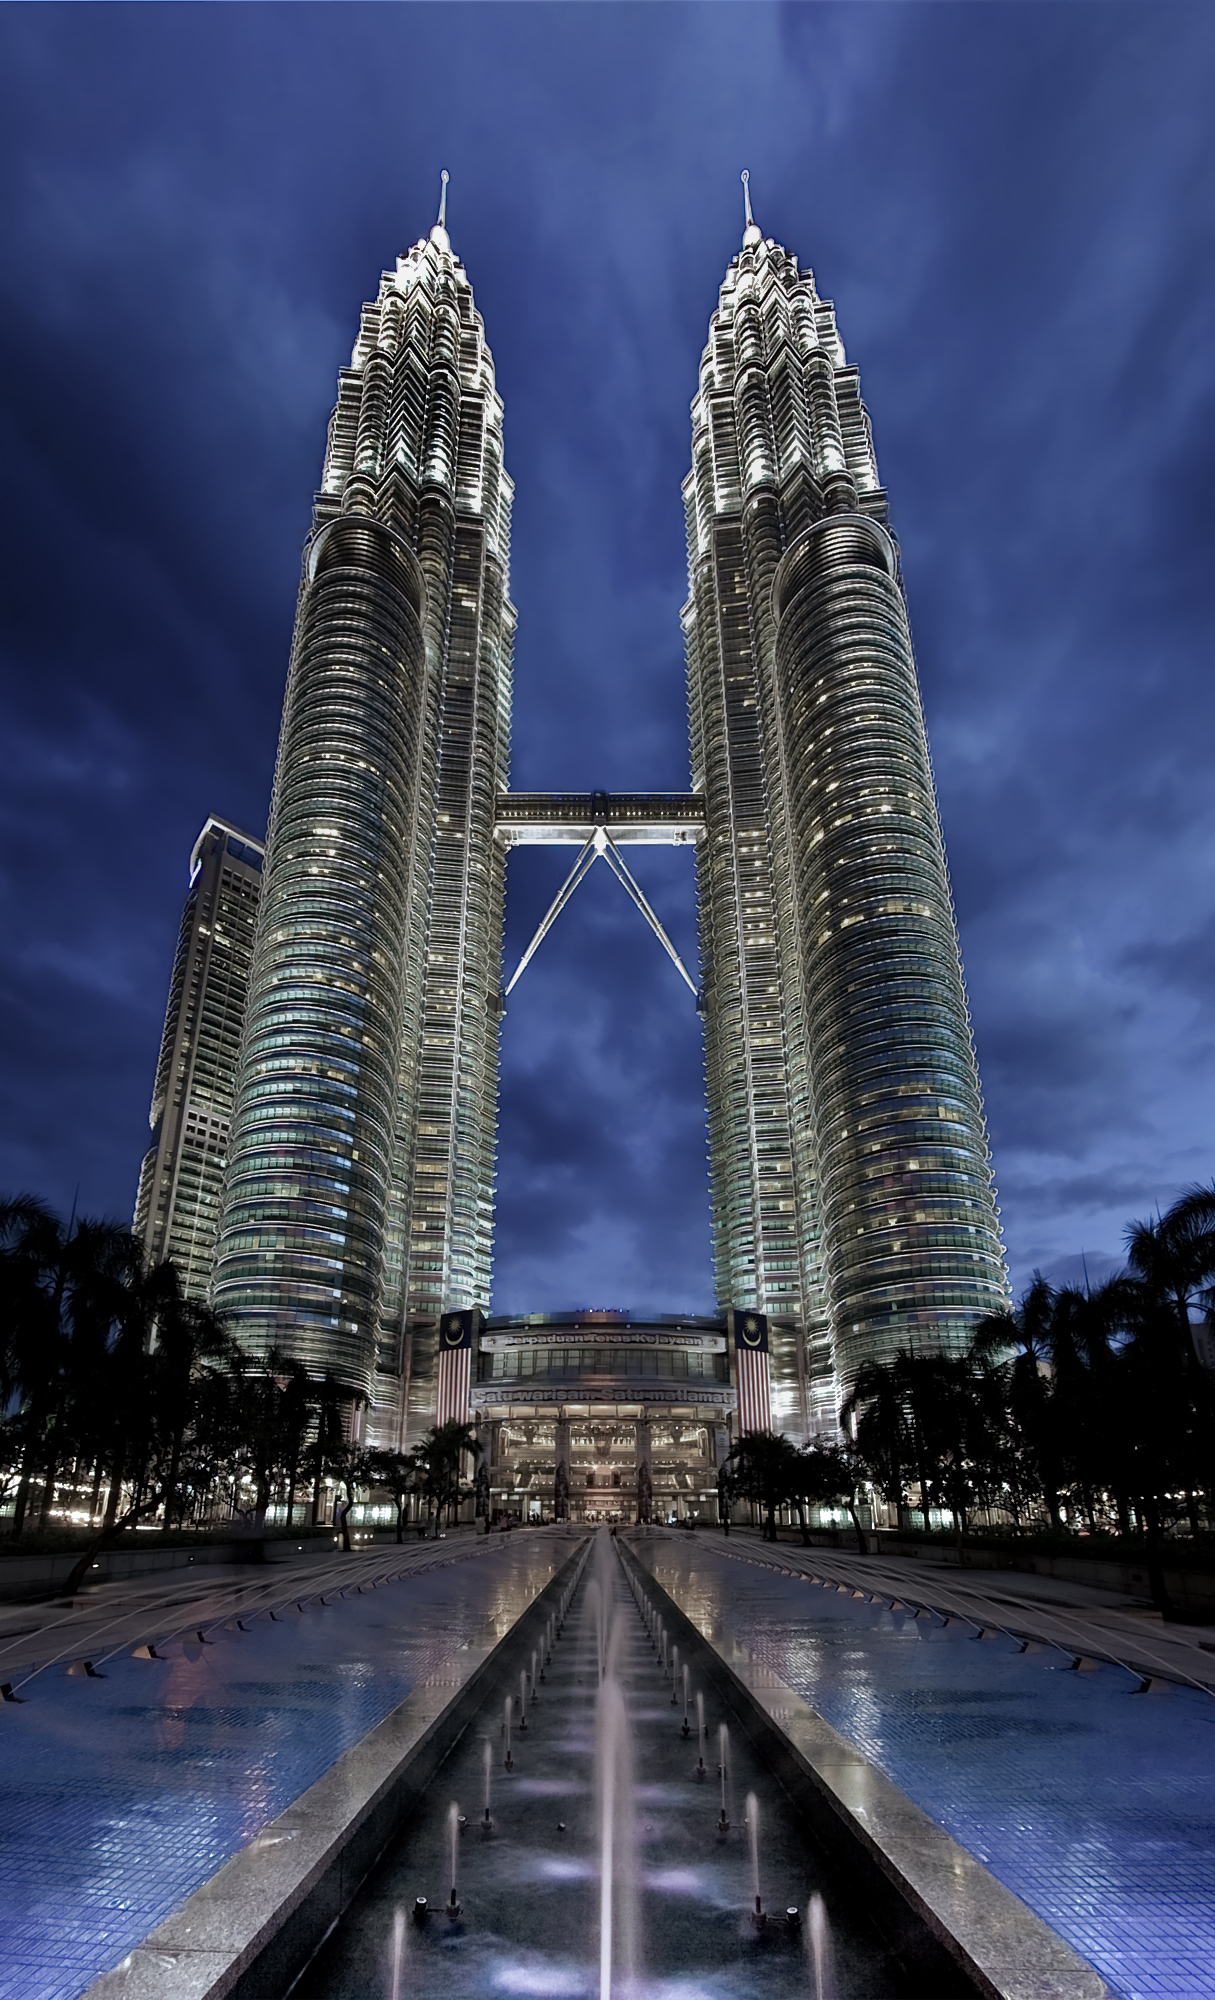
852, 1200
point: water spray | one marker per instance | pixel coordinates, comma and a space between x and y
687, 1727
487, 1825
701, 1768
398, 1951
675, 1678
723, 1751
522, 1700
508, 1761
453, 1843
757, 1915
817, 1943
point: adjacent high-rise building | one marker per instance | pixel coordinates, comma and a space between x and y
850, 1177
852, 1200
181, 1180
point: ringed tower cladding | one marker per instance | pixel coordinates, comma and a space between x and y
851, 1187
359, 1192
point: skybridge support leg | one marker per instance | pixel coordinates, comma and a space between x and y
615, 861
600, 843
586, 860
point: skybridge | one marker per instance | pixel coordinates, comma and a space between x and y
599, 824
569, 819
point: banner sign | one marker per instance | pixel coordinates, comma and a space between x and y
457, 1333
750, 1338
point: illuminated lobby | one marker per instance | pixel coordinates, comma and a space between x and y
604, 1416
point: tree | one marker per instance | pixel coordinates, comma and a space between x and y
936, 1417
765, 1471
827, 1473
440, 1457
63, 1292
277, 1405
1170, 1282
395, 1472
1023, 1339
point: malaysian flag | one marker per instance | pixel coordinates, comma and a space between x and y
750, 1330
456, 1331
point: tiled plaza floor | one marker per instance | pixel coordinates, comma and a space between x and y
1094, 1804
122, 1795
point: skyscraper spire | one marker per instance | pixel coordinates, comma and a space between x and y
850, 1179
751, 233
439, 233
358, 1196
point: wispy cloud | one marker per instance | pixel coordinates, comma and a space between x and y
1013, 210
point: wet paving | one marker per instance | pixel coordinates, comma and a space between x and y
125, 1793
1091, 1801
529, 1891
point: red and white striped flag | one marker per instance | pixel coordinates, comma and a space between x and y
750, 1330
456, 1330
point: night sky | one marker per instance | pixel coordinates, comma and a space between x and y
1012, 208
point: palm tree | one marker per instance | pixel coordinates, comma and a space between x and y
277, 1405
1172, 1279
64, 1295
766, 1471
833, 1472
1023, 1339
932, 1416
395, 1472
440, 1455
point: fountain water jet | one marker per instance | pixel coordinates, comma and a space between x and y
701, 1770
595, 1607
398, 1951
723, 1753
487, 1822
675, 1678
522, 1699
687, 1727
453, 1845
818, 1948
614, 1802
757, 1914
508, 1761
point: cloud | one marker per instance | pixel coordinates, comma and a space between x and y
1013, 211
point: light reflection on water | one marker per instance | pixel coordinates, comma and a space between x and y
175, 1764
1095, 1807
542, 1980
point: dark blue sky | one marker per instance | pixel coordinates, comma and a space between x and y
1013, 209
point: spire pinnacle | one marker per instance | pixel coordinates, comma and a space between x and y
438, 234
751, 233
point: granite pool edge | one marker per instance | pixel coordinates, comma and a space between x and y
249, 1931
1001, 1948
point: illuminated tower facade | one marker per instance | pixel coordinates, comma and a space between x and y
360, 1180
850, 1177
853, 1206
181, 1180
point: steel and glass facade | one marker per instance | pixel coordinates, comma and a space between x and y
850, 1176
851, 1189
360, 1181
181, 1181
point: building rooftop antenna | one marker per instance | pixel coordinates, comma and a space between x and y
751, 233
439, 234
